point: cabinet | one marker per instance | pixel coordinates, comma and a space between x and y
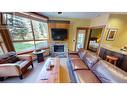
122, 63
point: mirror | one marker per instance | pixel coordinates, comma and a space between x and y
94, 39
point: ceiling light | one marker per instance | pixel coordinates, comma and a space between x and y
59, 12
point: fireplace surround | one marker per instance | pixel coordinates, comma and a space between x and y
58, 49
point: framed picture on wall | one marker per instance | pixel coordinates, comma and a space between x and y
111, 34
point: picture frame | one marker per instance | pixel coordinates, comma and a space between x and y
111, 34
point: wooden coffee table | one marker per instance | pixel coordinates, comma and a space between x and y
58, 73
50, 75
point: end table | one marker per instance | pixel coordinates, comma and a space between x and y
39, 55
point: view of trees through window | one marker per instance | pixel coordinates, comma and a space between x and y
40, 29
22, 35
21, 29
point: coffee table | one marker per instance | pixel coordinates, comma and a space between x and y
50, 76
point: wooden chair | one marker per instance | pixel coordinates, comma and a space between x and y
112, 59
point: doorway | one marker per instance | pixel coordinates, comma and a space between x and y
80, 38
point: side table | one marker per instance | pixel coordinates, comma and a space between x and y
39, 55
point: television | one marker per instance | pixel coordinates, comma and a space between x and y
59, 34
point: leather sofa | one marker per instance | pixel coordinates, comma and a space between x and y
13, 65
89, 68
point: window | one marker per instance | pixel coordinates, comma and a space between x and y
23, 46
40, 33
40, 30
21, 29
40, 44
26, 36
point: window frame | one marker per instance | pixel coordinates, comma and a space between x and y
31, 18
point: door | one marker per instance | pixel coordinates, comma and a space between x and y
81, 36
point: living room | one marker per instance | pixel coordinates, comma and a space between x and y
30, 40
63, 47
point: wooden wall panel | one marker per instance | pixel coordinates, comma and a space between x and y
59, 25
55, 24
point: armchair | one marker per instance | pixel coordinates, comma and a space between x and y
13, 65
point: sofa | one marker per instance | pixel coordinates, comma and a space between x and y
90, 68
13, 65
